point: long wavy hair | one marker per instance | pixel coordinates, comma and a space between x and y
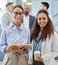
48, 29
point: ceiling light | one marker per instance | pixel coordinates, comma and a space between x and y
24, 0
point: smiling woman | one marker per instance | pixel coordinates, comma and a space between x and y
15, 34
44, 39
42, 20
17, 12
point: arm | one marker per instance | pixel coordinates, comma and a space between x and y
3, 41
53, 51
4, 21
54, 45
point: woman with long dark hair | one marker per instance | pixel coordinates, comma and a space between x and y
44, 40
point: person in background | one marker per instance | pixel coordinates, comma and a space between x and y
7, 17
45, 6
28, 19
15, 34
44, 39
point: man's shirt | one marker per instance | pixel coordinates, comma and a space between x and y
26, 21
6, 19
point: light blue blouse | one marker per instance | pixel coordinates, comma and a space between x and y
37, 45
14, 35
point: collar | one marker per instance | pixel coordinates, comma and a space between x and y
25, 15
8, 12
14, 26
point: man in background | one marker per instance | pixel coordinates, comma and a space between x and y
28, 19
7, 18
45, 6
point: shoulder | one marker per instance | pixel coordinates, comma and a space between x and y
25, 29
54, 37
50, 16
32, 16
55, 34
6, 29
5, 15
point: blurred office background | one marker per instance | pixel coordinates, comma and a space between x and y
34, 7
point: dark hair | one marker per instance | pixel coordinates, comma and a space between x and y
45, 4
40, 11
48, 29
9, 3
19, 6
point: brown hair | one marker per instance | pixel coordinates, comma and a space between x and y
9, 3
48, 30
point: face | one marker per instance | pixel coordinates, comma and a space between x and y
42, 7
26, 10
10, 7
17, 14
42, 20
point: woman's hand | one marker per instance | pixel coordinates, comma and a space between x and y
16, 50
20, 51
40, 59
6, 49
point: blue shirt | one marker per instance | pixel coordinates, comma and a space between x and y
37, 45
14, 35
